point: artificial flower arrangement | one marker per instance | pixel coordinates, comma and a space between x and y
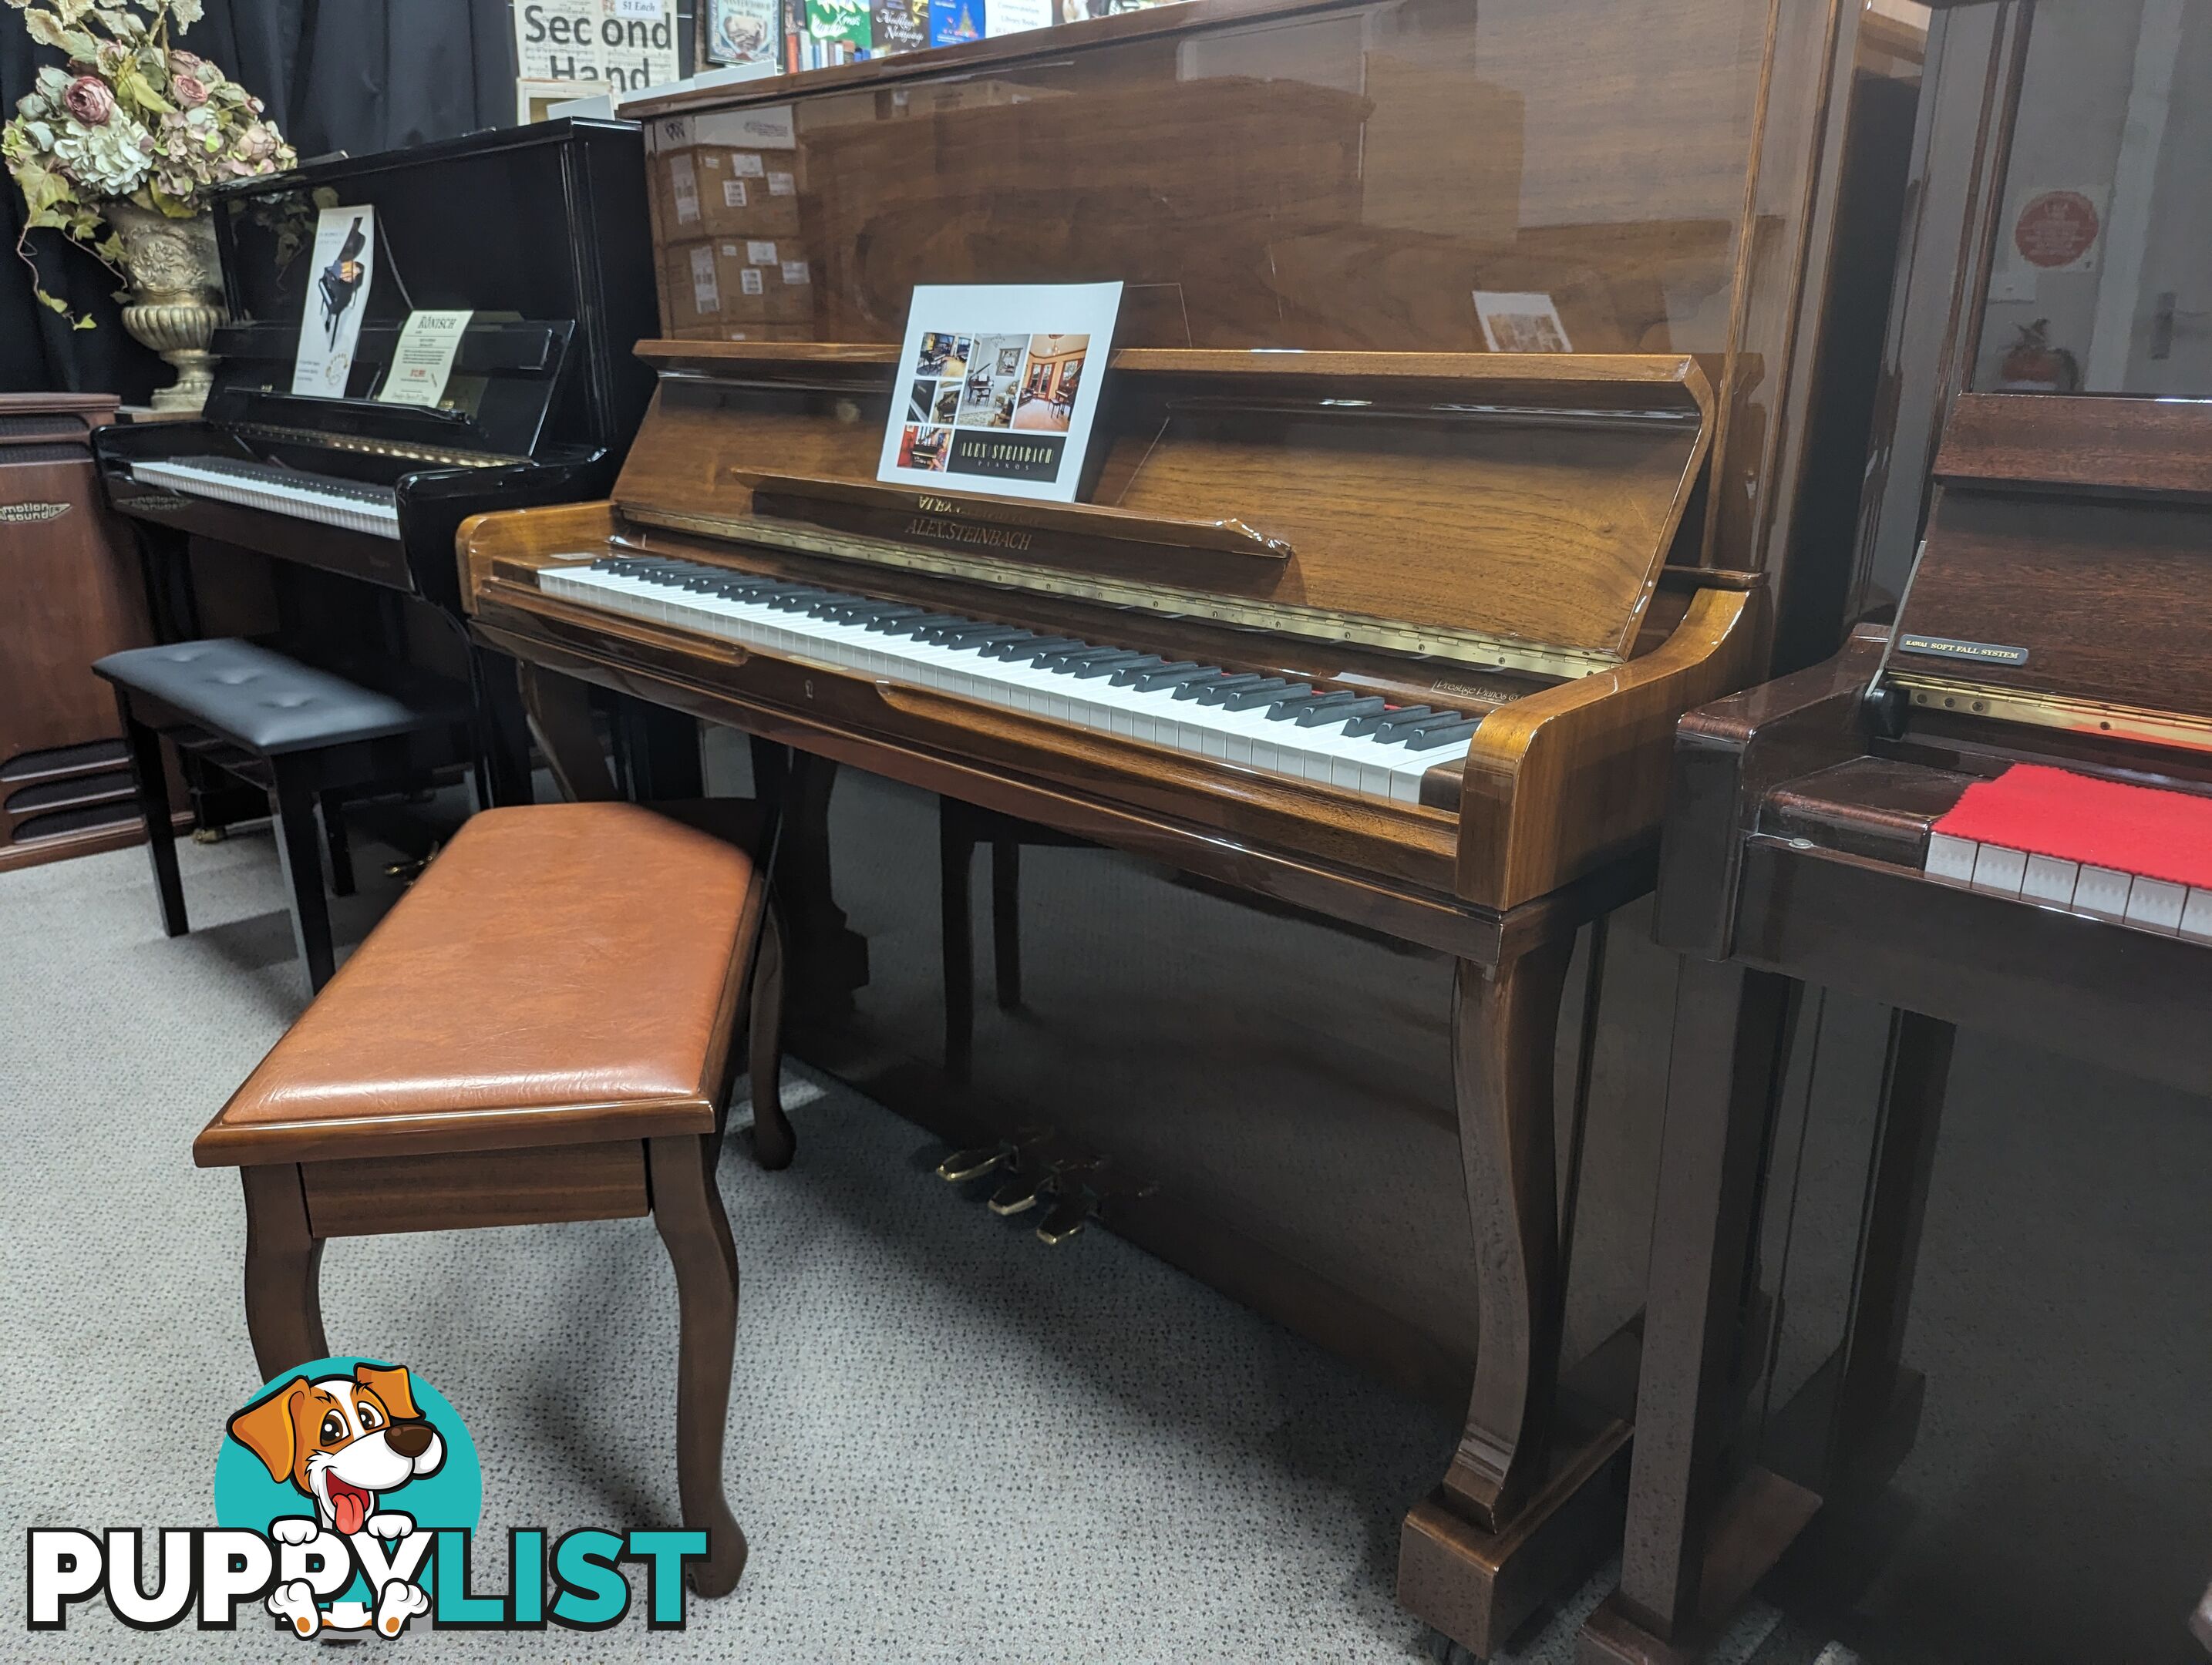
131, 119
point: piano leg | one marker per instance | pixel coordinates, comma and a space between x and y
658, 749
1695, 1543
559, 713
825, 960
1525, 1508
503, 738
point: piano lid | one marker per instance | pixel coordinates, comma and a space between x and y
538, 231
1493, 509
2067, 569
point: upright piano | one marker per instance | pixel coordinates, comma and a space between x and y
1996, 812
540, 232
1356, 613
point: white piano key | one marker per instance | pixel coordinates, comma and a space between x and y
2049, 879
2155, 905
1998, 871
1323, 755
1951, 860
2197, 916
2102, 891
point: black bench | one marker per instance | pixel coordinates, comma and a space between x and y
306, 736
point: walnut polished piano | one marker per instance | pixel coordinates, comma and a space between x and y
2047, 661
1354, 615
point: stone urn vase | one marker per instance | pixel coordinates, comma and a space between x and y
176, 296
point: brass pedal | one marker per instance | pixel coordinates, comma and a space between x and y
408, 870
1067, 1217
1018, 1195
964, 1165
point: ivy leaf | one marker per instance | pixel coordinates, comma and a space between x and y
53, 303
85, 323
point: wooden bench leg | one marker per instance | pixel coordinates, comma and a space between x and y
298, 846
283, 1272
773, 1143
687, 1210
152, 779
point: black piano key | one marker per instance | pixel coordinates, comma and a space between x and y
1129, 674
1252, 699
1318, 716
1427, 739
943, 625
984, 635
1398, 731
1029, 652
1359, 727
1224, 682
1175, 677
1112, 664
800, 600
905, 624
1283, 710
1068, 662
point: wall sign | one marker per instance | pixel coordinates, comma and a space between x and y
2057, 230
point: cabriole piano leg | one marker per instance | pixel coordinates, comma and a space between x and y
1525, 1508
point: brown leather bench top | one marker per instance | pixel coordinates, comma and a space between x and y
561, 973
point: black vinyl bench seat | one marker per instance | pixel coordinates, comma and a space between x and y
306, 735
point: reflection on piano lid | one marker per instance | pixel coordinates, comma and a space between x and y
538, 231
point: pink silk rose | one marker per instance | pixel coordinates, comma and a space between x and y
191, 91
186, 63
87, 99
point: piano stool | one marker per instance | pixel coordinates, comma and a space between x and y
961, 826
600, 1094
306, 736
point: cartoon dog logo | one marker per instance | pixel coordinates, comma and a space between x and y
344, 1443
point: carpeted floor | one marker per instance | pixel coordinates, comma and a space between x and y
942, 1448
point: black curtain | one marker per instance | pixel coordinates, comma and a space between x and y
358, 75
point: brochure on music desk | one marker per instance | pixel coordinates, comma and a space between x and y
998, 385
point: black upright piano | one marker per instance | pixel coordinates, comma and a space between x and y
542, 234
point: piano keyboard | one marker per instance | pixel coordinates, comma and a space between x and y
1336, 738
318, 497
2106, 893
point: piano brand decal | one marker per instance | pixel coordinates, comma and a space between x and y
344, 268
1002, 386
1943, 647
347, 1497
31, 513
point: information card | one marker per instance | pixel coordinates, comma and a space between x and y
422, 364
337, 297
998, 386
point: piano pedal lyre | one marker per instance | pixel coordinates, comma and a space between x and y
963, 1165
